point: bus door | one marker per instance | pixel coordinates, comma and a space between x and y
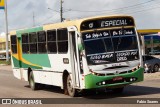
74, 55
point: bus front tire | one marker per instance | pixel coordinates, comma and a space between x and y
70, 90
32, 84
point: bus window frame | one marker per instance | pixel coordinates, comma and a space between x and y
33, 43
51, 41
25, 43
63, 40
14, 44
41, 42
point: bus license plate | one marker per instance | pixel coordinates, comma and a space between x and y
117, 78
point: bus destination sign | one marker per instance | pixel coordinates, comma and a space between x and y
107, 22
108, 33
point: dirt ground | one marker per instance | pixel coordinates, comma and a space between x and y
150, 76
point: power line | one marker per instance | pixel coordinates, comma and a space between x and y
138, 8
46, 19
133, 9
116, 8
61, 10
103, 11
144, 10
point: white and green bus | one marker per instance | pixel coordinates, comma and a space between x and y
90, 53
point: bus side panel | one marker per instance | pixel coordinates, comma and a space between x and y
57, 79
15, 67
42, 77
53, 75
58, 64
25, 74
16, 73
48, 77
58, 67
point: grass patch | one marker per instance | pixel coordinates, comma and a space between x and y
5, 62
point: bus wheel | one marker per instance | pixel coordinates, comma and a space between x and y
118, 90
156, 68
71, 91
32, 84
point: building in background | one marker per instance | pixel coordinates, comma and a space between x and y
3, 47
150, 41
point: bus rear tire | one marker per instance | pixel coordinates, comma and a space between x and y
32, 84
69, 87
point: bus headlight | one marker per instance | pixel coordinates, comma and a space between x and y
135, 68
97, 74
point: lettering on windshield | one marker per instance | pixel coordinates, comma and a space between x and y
109, 57
96, 35
101, 57
108, 33
119, 32
124, 56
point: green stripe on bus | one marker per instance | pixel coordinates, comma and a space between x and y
20, 64
15, 62
38, 59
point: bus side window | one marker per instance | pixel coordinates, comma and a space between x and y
25, 43
42, 42
33, 42
62, 39
51, 41
14, 44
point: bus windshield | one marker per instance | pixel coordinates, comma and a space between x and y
110, 46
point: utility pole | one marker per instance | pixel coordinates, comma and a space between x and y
33, 20
6, 21
61, 10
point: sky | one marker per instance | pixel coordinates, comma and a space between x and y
20, 12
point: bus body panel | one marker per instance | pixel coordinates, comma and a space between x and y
57, 63
16, 73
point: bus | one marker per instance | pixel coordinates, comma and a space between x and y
84, 54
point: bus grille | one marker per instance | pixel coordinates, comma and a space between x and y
109, 74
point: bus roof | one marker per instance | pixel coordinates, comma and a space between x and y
65, 24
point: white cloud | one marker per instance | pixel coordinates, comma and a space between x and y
2, 35
20, 12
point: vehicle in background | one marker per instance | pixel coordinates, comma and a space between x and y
154, 52
151, 63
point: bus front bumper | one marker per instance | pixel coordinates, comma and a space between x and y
114, 81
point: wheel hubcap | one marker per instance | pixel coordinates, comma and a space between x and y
31, 82
69, 85
156, 67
